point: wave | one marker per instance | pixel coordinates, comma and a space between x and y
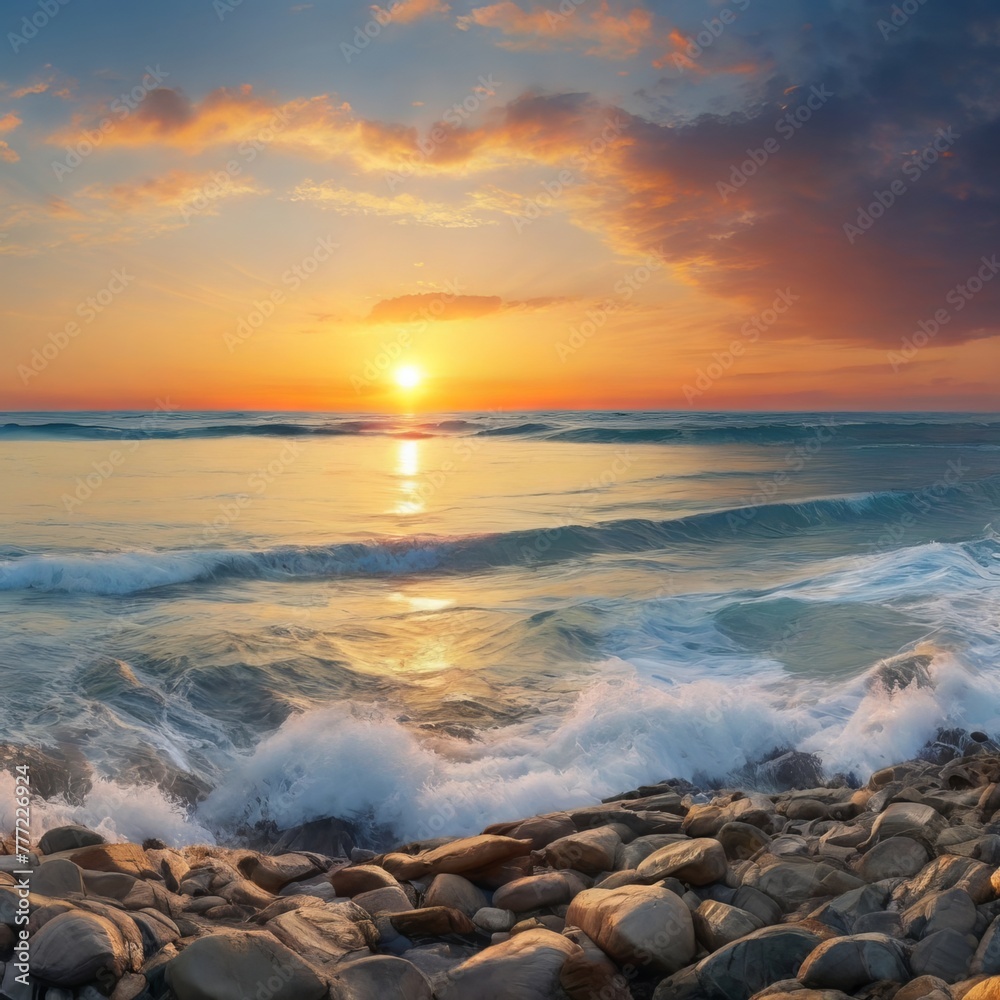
566, 428
879, 514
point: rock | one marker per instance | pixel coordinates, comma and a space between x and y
457, 892
57, 879
126, 926
502, 872
130, 986
274, 873
696, 862
717, 924
906, 819
879, 922
629, 856
844, 912
790, 883
987, 958
946, 954
283, 904
157, 931
636, 924
432, 921
111, 885
741, 841
591, 852
380, 902
494, 920
537, 892
457, 857
951, 909
848, 963
790, 770
947, 872
745, 967
988, 989
237, 965
171, 865
68, 838
243, 892
540, 830
379, 977
75, 948
323, 933
127, 859
806, 809
924, 988
350, 882
591, 975
525, 967
756, 903
547, 921
329, 836
897, 857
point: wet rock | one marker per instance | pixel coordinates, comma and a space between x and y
456, 858
236, 965
637, 924
127, 859
696, 862
630, 856
947, 872
68, 838
717, 924
765, 909
906, 819
790, 770
987, 958
432, 921
457, 892
274, 873
536, 892
76, 948
946, 954
591, 852
848, 963
379, 977
880, 922
897, 857
329, 836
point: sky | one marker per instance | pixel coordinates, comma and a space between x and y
448, 205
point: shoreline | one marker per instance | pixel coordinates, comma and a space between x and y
665, 892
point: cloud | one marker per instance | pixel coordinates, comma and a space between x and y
597, 30
174, 191
8, 123
445, 307
409, 11
403, 208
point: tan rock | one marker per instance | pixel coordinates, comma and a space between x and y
456, 857
591, 852
382, 902
322, 933
696, 862
717, 924
128, 859
274, 873
455, 891
379, 977
76, 948
432, 921
536, 892
590, 974
350, 882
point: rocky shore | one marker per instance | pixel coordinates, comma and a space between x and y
887, 891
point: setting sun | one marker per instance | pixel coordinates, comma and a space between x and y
408, 377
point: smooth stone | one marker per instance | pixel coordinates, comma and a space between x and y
988, 989
717, 924
157, 931
743, 968
986, 961
924, 988
848, 963
235, 965
323, 933
946, 954
68, 838
756, 903
696, 862
952, 909
591, 852
125, 858
591, 975
432, 921
540, 830
76, 948
906, 819
381, 902
457, 892
791, 883
843, 913
879, 922
274, 873
637, 924
630, 856
742, 841
524, 967
460, 856
537, 892
493, 920
378, 977
897, 857
950, 871
352, 881
57, 879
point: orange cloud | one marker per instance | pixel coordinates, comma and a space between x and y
199, 191
602, 31
408, 11
8, 123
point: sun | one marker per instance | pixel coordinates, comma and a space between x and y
408, 377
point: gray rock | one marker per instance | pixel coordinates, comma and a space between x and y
742, 840
945, 954
765, 909
76, 948
879, 922
848, 963
951, 909
493, 920
324, 933
716, 924
897, 857
57, 879
380, 976
906, 819
457, 892
68, 838
986, 961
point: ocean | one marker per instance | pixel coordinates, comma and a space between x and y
423, 624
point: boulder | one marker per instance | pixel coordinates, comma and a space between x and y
493, 920
457, 892
946, 954
380, 902
906, 819
765, 909
378, 977
457, 857
924, 988
591, 852
696, 862
745, 967
629, 856
951, 909
536, 892
843, 913
848, 963
68, 838
323, 933
432, 921
237, 965
76, 948
525, 967
791, 882
987, 989
157, 931
274, 873
986, 961
717, 924
591, 975
897, 857
741, 841
354, 880
540, 830
57, 879
125, 858
636, 924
